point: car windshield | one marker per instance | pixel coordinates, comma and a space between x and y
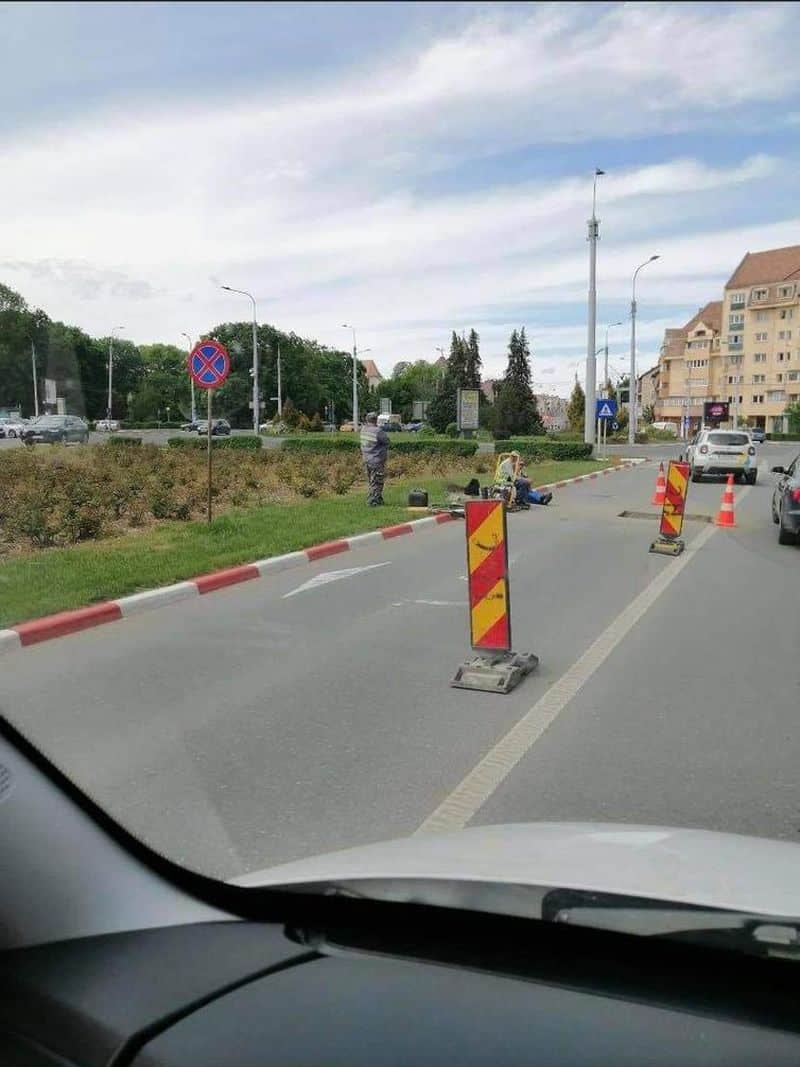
319, 267
728, 439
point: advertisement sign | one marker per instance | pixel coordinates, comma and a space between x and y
716, 411
386, 405
418, 410
468, 406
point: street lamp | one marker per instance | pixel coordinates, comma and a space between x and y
348, 326
35, 386
191, 379
632, 384
610, 326
591, 339
111, 367
256, 413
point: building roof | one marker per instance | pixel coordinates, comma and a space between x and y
648, 373
370, 369
710, 315
775, 265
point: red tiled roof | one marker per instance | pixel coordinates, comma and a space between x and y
775, 265
370, 369
710, 315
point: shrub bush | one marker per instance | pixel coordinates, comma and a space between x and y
541, 448
501, 435
250, 442
425, 447
783, 436
426, 431
122, 442
451, 430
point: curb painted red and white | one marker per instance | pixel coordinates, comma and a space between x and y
70, 622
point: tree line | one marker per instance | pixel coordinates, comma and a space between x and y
150, 382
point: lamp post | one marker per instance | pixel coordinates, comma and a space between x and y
605, 369
111, 367
348, 326
591, 339
191, 379
256, 406
35, 386
632, 383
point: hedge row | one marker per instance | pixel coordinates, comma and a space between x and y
425, 447
783, 436
543, 448
249, 442
125, 425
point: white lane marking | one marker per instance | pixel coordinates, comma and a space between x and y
489, 773
442, 603
332, 576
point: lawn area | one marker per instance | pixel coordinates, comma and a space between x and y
57, 579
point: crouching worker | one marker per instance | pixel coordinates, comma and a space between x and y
525, 490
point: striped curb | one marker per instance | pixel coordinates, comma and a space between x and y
68, 622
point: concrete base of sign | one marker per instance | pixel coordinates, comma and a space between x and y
664, 547
495, 672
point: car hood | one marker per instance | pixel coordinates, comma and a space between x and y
695, 867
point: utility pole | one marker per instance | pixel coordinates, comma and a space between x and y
280, 391
111, 368
254, 371
356, 423
632, 383
35, 386
193, 416
591, 340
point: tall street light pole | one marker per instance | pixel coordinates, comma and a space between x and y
35, 386
256, 406
111, 367
591, 339
632, 382
280, 390
605, 369
348, 326
191, 379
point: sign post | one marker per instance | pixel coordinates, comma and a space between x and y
606, 411
209, 365
669, 542
468, 410
496, 669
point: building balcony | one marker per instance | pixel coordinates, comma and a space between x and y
735, 346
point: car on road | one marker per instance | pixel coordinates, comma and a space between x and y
219, 427
191, 427
11, 427
723, 452
412, 427
55, 430
786, 503
758, 435
107, 425
666, 427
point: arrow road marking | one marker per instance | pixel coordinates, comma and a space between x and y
332, 576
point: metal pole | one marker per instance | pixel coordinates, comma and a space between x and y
280, 394
632, 382
605, 369
191, 380
110, 371
355, 383
255, 401
35, 387
591, 340
208, 428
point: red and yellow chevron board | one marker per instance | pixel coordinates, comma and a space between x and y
674, 505
487, 574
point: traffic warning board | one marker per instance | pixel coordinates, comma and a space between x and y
487, 574
674, 506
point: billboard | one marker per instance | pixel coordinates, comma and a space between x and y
468, 407
386, 405
716, 411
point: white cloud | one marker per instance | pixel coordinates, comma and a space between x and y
313, 201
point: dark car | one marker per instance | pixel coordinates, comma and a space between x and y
786, 503
219, 427
55, 430
758, 435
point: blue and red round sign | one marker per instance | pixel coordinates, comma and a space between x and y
209, 364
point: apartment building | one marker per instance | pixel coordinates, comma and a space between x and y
553, 411
647, 388
744, 349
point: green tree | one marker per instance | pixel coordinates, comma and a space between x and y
515, 408
793, 411
457, 360
648, 414
472, 367
576, 408
442, 409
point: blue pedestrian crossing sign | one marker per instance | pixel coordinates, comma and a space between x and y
606, 409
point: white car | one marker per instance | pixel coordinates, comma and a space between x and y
666, 427
723, 452
12, 427
107, 425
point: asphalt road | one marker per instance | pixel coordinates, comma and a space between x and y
300, 714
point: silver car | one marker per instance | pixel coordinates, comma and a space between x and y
723, 452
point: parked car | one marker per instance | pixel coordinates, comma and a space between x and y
412, 427
758, 435
190, 426
346, 427
107, 425
666, 427
786, 503
56, 429
723, 452
11, 427
219, 427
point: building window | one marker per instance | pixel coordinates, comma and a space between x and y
776, 394
734, 360
762, 316
759, 294
702, 333
760, 357
786, 313
760, 336
759, 378
793, 376
758, 398
737, 300
736, 320
784, 335
785, 290
780, 357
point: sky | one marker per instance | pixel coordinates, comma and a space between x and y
407, 168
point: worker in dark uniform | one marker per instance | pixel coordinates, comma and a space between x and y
374, 448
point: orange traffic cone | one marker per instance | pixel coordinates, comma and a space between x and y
725, 516
661, 487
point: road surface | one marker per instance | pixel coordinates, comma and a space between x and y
311, 710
